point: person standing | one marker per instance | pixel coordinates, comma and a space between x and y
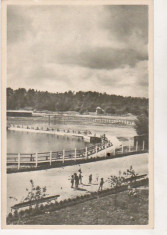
72, 181
80, 178
76, 181
90, 179
101, 184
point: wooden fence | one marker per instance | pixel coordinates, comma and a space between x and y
98, 150
49, 157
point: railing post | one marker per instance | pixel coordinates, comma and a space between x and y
143, 145
129, 145
36, 159
86, 152
63, 155
136, 146
18, 161
50, 158
75, 154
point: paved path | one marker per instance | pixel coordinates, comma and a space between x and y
57, 180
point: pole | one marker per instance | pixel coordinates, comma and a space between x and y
136, 145
143, 145
49, 120
75, 154
18, 161
50, 158
36, 159
63, 155
129, 145
122, 149
105, 150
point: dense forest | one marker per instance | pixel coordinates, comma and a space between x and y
75, 101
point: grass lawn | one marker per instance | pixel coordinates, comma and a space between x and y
118, 209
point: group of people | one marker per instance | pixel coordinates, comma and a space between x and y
76, 179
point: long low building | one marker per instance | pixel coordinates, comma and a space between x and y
87, 118
97, 119
19, 113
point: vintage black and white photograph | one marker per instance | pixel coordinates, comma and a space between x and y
78, 115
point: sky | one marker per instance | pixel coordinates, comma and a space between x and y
89, 48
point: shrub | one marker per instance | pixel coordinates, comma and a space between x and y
56, 203
10, 215
16, 214
21, 213
9, 218
46, 206
93, 193
41, 207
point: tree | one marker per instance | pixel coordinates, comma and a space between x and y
10, 102
71, 101
141, 124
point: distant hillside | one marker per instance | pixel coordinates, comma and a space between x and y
71, 101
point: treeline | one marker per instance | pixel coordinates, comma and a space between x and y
75, 101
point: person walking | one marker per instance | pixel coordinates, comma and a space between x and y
90, 179
72, 181
101, 184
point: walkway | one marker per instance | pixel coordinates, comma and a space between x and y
57, 180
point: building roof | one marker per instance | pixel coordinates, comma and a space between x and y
19, 111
